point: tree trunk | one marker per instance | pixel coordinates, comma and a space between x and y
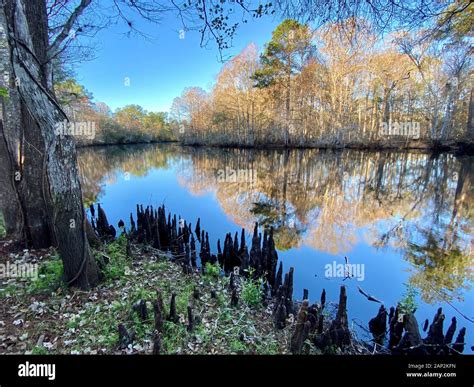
386, 105
9, 205
448, 113
9, 158
51, 159
30, 215
470, 118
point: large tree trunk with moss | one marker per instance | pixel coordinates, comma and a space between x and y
51, 158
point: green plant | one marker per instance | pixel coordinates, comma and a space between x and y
252, 292
141, 293
99, 324
183, 297
37, 350
173, 336
118, 263
142, 329
2, 223
408, 302
50, 277
237, 346
4, 93
212, 270
267, 347
10, 290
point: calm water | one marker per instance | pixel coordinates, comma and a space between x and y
405, 219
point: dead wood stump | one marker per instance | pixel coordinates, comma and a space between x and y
234, 300
339, 333
378, 325
173, 316
302, 329
141, 309
125, 337
156, 343
280, 314
159, 312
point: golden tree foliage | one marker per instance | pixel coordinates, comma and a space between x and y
342, 84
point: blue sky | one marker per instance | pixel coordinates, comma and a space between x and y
159, 70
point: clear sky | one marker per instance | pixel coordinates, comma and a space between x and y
159, 70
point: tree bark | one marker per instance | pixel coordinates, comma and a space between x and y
52, 158
470, 118
9, 205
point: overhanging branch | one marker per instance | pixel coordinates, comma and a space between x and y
66, 29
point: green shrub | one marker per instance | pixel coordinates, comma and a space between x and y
252, 292
50, 277
118, 264
212, 270
408, 302
237, 346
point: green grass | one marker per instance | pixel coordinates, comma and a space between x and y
252, 292
212, 270
156, 266
183, 297
117, 252
237, 346
267, 347
143, 329
37, 350
98, 325
140, 293
93, 324
50, 277
11, 290
173, 337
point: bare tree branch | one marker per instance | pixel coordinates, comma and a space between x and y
55, 46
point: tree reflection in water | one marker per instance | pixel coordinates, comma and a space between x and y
418, 204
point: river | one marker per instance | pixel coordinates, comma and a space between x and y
405, 221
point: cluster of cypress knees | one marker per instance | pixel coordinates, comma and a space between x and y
175, 235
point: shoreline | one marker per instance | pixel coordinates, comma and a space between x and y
462, 147
458, 148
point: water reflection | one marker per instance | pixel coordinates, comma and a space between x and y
417, 205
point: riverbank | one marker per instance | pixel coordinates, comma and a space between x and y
91, 144
458, 147
42, 317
